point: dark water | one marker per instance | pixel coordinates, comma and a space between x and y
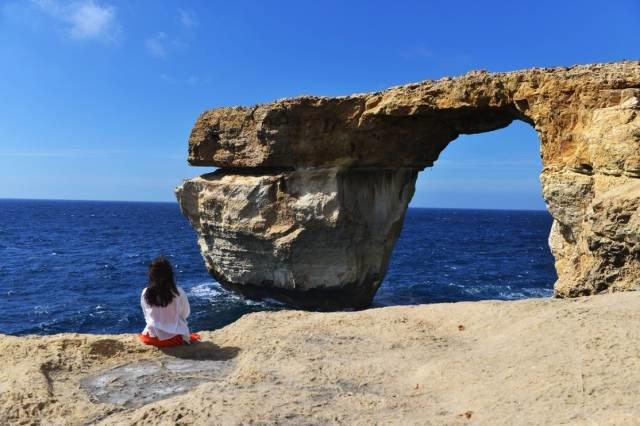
76, 266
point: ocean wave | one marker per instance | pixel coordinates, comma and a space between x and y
212, 291
208, 290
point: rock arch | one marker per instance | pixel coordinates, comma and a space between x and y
311, 192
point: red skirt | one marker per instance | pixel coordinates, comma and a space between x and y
174, 341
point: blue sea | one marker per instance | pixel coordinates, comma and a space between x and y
79, 266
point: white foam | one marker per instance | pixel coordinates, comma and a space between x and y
213, 291
205, 290
40, 310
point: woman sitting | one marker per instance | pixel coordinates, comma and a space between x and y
165, 307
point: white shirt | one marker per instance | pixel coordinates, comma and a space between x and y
165, 322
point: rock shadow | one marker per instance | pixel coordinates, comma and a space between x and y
202, 351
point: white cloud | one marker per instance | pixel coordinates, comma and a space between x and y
90, 20
157, 45
188, 19
162, 44
83, 19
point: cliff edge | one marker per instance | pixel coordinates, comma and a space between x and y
552, 361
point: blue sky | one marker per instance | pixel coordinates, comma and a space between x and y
97, 97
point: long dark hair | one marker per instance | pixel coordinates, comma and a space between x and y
161, 288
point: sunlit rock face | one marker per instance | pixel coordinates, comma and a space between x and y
312, 191
318, 238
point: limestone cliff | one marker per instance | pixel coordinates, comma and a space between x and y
313, 238
313, 190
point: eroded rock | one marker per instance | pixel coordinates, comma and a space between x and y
281, 218
139, 383
313, 237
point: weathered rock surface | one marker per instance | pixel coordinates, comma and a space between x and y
529, 362
313, 237
587, 118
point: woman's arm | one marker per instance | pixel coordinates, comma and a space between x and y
185, 309
143, 305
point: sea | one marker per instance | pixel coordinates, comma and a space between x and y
79, 266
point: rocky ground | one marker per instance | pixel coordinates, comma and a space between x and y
572, 361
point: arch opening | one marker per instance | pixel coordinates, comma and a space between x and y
477, 227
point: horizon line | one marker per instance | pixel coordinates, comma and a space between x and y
176, 202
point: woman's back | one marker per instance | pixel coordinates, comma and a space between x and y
167, 321
165, 308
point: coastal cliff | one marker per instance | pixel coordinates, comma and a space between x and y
538, 361
294, 235
312, 191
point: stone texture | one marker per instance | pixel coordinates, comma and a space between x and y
527, 362
138, 383
313, 238
605, 254
577, 111
587, 118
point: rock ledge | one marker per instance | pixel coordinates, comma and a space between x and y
524, 362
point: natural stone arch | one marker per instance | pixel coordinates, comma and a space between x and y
313, 191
